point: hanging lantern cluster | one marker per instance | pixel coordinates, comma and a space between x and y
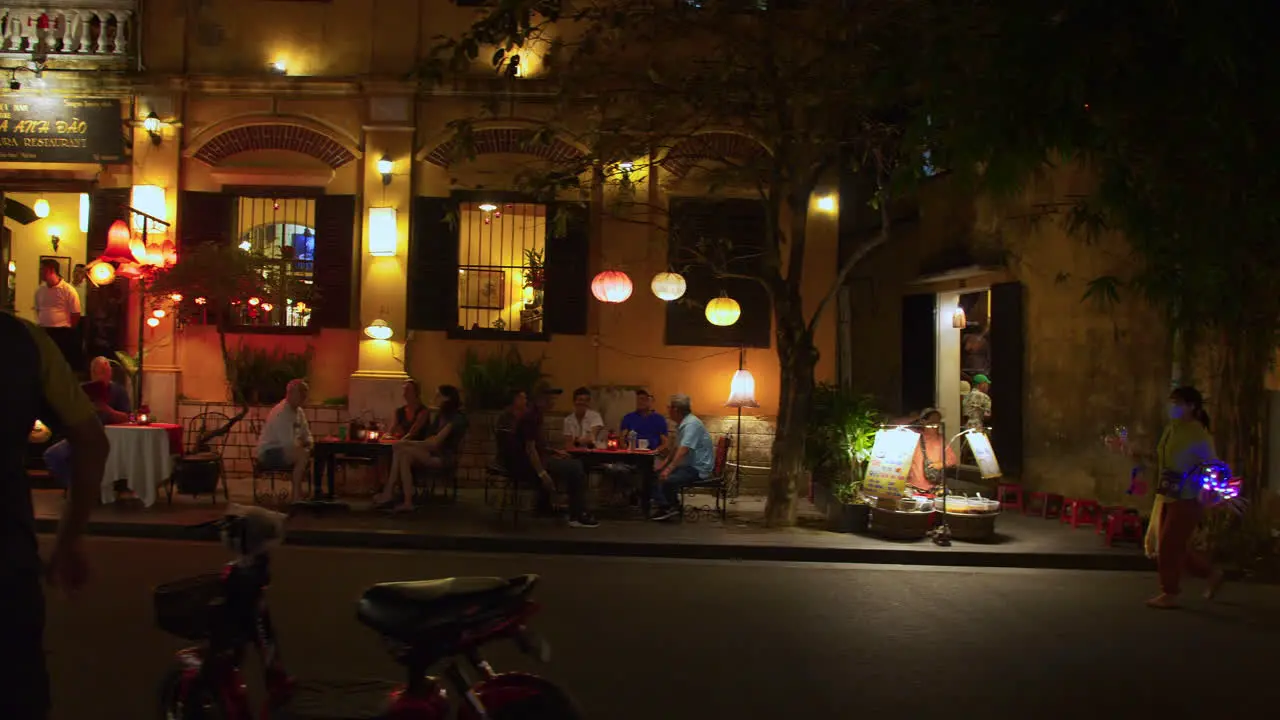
723, 311
611, 286
128, 255
668, 286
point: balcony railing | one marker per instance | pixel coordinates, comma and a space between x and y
67, 28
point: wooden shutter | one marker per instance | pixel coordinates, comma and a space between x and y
919, 352
568, 280
741, 224
433, 265
334, 259
106, 205
1008, 357
205, 217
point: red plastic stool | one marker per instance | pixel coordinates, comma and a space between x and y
1126, 525
1078, 510
1009, 495
1045, 504
1104, 516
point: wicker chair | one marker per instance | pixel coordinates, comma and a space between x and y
202, 460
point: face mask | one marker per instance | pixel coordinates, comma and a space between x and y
1176, 412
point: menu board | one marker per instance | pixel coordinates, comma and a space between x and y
980, 444
890, 463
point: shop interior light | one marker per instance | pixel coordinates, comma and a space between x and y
958, 319
827, 203
84, 212
41, 207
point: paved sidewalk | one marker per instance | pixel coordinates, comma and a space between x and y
472, 526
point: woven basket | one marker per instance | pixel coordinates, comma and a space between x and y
896, 525
972, 526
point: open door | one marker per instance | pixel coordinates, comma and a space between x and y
919, 351
1008, 363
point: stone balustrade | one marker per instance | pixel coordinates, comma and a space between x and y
67, 27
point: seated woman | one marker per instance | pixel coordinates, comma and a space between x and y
410, 424
933, 455
439, 449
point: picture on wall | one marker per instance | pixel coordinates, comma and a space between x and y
482, 289
64, 266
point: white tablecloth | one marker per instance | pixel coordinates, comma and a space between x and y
139, 455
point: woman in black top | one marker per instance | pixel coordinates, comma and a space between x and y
411, 418
438, 449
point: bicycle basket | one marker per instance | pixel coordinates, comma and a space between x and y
185, 608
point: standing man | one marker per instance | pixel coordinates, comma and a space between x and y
40, 386
58, 311
583, 427
694, 459
977, 404
285, 443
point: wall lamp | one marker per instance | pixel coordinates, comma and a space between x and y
385, 168
152, 125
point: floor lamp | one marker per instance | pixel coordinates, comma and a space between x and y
742, 394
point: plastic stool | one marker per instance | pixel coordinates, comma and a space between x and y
1049, 506
1104, 516
1009, 495
1125, 525
1077, 510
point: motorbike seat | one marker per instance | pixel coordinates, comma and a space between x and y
411, 610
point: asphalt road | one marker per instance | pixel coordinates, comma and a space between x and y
667, 639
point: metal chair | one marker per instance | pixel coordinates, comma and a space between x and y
717, 484
428, 478
202, 459
269, 474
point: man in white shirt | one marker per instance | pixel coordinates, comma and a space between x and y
583, 427
286, 441
58, 311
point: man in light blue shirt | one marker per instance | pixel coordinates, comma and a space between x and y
693, 459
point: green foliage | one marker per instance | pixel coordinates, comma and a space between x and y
218, 273
487, 382
840, 434
261, 375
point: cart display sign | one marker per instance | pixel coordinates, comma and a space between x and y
980, 444
60, 130
890, 464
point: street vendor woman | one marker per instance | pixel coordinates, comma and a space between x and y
933, 454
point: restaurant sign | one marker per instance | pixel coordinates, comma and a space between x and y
60, 130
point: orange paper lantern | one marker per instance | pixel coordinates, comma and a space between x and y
118, 237
611, 286
102, 273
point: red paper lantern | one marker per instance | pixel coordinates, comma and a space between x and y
118, 238
611, 286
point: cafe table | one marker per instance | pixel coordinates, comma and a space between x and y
641, 460
325, 451
142, 455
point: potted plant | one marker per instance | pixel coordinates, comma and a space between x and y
841, 434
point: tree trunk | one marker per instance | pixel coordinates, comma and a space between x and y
796, 359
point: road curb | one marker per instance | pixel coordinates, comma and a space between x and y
955, 556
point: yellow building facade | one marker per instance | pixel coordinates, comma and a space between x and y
287, 116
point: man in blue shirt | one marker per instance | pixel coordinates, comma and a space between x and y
693, 459
111, 402
647, 424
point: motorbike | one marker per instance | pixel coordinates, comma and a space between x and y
434, 629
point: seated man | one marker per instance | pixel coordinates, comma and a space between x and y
693, 459
111, 401
285, 443
537, 465
651, 432
583, 427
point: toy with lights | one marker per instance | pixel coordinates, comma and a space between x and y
1214, 478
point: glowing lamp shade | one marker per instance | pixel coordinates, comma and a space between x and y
378, 330
153, 321
158, 313
826, 203
138, 249
668, 286
958, 320
385, 165
742, 391
382, 231
723, 311
118, 243
611, 286
84, 212
41, 208
102, 273
150, 200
